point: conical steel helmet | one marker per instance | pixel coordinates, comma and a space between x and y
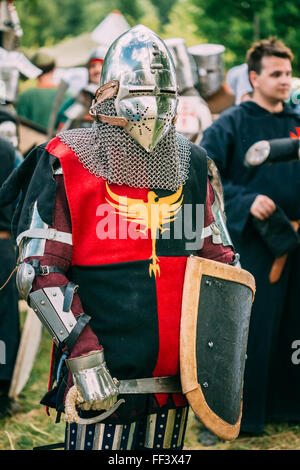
147, 95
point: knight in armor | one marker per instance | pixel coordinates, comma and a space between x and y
249, 144
109, 216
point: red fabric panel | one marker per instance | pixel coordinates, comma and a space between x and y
169, 313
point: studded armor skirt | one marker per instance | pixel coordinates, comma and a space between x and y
162, 430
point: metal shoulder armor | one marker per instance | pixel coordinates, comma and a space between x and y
32, 241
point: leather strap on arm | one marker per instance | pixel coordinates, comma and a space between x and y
82, 321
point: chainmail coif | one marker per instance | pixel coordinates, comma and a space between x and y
111, 153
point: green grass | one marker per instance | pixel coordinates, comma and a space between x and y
275, 437
32, 427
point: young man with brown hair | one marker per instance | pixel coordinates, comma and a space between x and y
263, 195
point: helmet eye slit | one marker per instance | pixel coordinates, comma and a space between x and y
167, 92
140, 91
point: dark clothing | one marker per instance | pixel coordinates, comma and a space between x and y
272, 381
7, 159
33, 178
9, 314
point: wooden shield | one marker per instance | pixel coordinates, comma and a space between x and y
27, 352
216, 308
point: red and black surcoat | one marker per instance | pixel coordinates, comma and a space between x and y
135, 310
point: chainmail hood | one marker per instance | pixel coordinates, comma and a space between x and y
111, 153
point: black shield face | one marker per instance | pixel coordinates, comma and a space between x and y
217, 301
222, 332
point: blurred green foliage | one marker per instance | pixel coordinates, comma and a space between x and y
235, 24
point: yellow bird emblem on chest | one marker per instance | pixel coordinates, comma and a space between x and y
151, 215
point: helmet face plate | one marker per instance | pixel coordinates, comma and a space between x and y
147, 95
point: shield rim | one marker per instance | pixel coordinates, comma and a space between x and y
196, 268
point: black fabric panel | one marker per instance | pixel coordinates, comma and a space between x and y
222, 331
119, 299
194, 192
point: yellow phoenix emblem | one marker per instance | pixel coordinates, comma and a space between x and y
150, 215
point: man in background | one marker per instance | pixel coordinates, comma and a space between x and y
35, 104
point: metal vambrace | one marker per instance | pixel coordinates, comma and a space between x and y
96, 388
49, 305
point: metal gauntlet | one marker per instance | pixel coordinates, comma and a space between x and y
97, 389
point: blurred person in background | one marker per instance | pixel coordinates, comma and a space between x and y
193, 114
9, 313
95, 63
12, 63
237, 79
75, 111
9, 131
211, 83
36, 103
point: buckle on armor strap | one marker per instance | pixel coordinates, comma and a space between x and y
52, 233
44, 270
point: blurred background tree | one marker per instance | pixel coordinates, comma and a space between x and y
164, 8
235, 24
